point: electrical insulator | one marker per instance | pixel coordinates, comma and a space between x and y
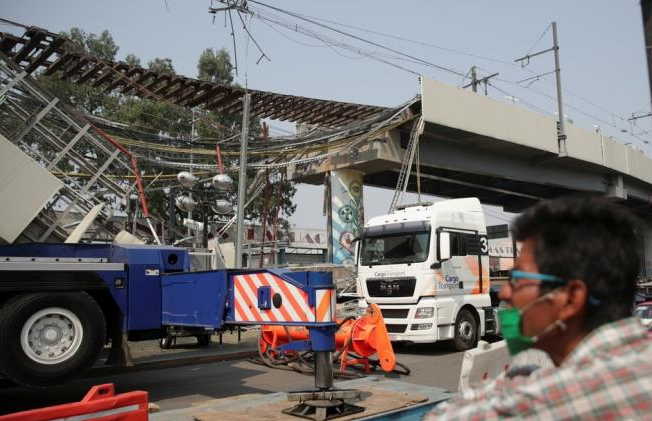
186, 179
222, 207
223, 182
185, 203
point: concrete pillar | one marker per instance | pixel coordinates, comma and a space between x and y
346, 214
646, 270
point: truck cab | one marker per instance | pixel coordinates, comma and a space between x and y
427, 267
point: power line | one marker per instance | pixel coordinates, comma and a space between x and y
537, 41
443, 68
306, 32
417, 42
417, 60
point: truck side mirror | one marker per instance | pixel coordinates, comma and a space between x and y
444, 246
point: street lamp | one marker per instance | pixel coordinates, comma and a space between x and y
204, 196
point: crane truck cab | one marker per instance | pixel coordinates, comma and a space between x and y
427, 268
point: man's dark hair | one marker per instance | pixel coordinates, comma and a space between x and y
589, 238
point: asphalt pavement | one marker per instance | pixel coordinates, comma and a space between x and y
174, 387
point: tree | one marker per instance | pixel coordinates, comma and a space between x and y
132, 60
161, 65
91, 100
215, 67
102, 46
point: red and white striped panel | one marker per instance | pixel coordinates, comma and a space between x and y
294, 307
325, 306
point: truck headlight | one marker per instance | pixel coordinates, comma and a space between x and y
424, 313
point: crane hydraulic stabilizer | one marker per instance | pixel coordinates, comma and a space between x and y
356, 340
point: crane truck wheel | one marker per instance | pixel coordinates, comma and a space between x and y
204, 340
466, 331
48, 338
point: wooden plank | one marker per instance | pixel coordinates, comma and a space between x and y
74, 67
165, 81
177, 90
332, 115
29, 46
90, 73
284, 109
8, 42
191, 92
107, 74
225, 101
316, 116
273, 102
208, 93
57, 64
322, 105
42, 57
374, 399
213, 97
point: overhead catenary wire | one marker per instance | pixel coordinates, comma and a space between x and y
307, 32
353, 36
416, 60
473, 55
537, 41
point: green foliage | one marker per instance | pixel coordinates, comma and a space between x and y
85, 97
161, 65
215, 67
132, 60
102, 46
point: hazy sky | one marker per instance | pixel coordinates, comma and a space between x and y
602, 53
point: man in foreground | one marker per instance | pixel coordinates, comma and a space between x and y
571, 295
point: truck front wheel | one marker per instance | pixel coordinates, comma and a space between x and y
48, 338
466, 331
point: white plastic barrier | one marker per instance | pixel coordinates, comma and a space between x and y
488, 361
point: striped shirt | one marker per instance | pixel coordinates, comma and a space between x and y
608, 376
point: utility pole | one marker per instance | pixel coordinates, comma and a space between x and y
561, 130
171, 214
561, 136
192, 139
475, 81
242, 180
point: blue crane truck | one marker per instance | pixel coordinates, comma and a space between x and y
61, 304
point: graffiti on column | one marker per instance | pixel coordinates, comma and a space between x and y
347, 213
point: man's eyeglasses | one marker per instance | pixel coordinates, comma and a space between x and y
544, 279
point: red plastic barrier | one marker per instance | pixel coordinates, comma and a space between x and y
100, 404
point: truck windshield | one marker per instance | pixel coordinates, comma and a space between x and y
397, 248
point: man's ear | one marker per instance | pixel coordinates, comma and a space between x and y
576, 296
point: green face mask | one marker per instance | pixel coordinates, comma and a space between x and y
510, 327
511, 321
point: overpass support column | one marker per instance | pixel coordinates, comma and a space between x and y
646, 243
616, 187
345, 214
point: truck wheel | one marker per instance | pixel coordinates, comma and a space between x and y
48, 338
167, 341
466, 331
203, 340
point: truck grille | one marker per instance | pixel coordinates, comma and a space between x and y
395, 287
395, 313
396, 328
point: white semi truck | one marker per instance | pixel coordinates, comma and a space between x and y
427, 267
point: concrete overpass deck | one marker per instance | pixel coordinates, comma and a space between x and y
502, 153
